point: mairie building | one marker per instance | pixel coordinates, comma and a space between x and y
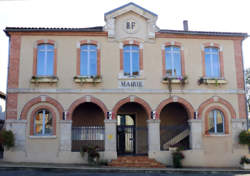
129, 88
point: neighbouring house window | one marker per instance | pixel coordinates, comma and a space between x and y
88, 62
43, 123
173, 61
131, 60
216, 122
45, 60
212, 63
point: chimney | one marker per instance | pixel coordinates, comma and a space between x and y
185, 25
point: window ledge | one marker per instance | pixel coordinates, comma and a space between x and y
204, 80
43, 137
44, 79
84, 79
217, 135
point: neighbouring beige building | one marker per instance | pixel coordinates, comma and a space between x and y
129, 88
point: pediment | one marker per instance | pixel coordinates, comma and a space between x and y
131, 21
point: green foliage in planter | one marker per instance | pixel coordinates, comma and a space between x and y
245, 160
93, 155
8, 139
177, 156
244, 137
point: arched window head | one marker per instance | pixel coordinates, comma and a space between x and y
212, 62
131, 60
43, 123
88, 60
173, 61
216, 122
45, 60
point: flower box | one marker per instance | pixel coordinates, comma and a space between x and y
44, 79
83, 79
245, 166
175, 80
216, 81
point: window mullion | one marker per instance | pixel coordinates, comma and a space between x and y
88, 61
45, 59
172, 60
215, 121
43, 129
211, 62
130, 60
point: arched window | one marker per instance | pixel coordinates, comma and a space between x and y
88, 60
216, 122
45, 60
173, 61
43, 123
131, 60
212, 62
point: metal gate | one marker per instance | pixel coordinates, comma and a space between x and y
131, 139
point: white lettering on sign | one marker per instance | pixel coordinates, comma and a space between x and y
131, 84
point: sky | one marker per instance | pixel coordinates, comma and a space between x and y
212, 15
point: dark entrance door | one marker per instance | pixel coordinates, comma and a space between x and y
126, 134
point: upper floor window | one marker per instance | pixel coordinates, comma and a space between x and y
43, 123
173, 61
216, 122
212, 62
45, 60
88, 60
131, 60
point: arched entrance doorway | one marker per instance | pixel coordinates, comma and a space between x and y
132, 134
174, 128
88, 126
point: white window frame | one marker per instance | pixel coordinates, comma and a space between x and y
88, 50
215, 122
130, 51
172, 52
43, 127
45, 59
211, 60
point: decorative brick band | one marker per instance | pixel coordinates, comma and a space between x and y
11, 106
86, 99
132, 42
39, 42
226, 119
33, 116
189, 108
221, 60
133, 99
78, 59
216, 100
13, 76
177, 44
238, 60
40, 99
14, 61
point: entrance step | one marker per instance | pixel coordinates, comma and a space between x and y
136, 161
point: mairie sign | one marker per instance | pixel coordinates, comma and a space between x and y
131, 84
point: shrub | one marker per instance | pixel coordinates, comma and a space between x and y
7, 138
244, 159
93, 155
244, 137
177, 156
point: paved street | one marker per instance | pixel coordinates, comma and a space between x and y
31, 172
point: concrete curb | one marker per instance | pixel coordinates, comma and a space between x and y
64, 168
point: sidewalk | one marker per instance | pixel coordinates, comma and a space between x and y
106, 169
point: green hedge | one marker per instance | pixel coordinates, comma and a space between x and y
244, 137
7, 138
